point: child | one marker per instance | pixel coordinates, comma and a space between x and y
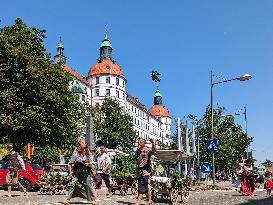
268, 184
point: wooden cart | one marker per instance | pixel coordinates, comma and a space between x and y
54, 184
123, 184
171, 189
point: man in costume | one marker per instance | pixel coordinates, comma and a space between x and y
143, 170
15, 162
104, 163
82, 172
247, 178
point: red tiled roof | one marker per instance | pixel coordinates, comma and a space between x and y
139, 104
106, 66
136, 102
159, 110
75, 73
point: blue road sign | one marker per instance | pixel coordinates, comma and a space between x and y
206, 167
212, 145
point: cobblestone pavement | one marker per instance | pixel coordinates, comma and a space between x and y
196, 198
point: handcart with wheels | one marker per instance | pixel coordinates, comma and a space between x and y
170, 188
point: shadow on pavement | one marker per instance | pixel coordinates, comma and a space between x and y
126, 203
76, 202
266, 201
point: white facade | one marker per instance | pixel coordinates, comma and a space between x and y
96, 87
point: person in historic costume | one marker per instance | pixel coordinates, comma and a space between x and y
15, 162
247, 178
268, 185
82, 172
104, 163
143, 170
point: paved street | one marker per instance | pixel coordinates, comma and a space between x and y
196, 198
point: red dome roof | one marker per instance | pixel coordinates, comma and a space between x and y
159, 111
106, 66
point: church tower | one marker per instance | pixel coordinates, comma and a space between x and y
60, 58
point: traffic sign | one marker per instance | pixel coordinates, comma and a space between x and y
212, 145
206, 167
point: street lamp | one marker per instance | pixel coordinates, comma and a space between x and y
244, 113
241, 78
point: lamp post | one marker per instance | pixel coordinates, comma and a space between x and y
241, 78
245, 115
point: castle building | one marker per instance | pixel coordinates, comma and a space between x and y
106, 79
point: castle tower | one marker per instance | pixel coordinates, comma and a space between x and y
106, 76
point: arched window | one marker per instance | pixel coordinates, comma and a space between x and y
83, 98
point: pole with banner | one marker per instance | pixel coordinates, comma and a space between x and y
179, 143
187, 149
89, 131
193, 146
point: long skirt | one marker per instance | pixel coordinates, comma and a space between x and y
81, 186
247, 185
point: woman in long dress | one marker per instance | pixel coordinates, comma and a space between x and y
82, 172
247, 178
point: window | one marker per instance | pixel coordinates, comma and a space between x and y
117, 93
83, 98
123, 83
35, 166
132, 108
97, 92
107, 92
97, 80
117, 81
135, 110
123, 96
137, 122
107, 79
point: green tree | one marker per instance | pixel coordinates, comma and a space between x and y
126, 164
267, 163
113, 126
35, 103
232, 140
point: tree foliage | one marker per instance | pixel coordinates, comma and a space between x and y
113, 126
35, 103
267, 163
125, 164
232, 139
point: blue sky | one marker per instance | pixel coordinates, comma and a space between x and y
183, 40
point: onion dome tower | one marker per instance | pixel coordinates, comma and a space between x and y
106, 76
60, 58
159, 111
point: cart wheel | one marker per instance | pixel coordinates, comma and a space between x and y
185, 196
124, 189
134, 188
173, 196
164, 196
154, 195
